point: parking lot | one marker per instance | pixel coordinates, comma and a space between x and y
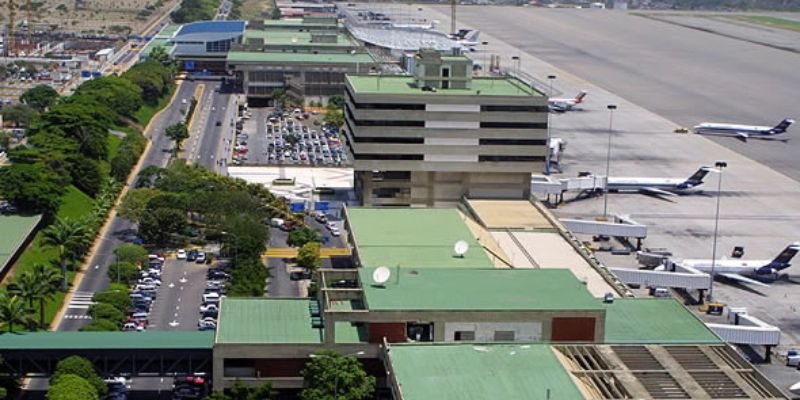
269, 136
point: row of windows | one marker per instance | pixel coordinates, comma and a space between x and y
469, 336
514, 125
515, 108
511, 158
396, 157
384, 122
512, 142
399, 140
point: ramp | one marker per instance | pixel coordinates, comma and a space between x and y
683, 280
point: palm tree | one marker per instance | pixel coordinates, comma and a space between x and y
26, 287
49, 280
66, 235
13, 311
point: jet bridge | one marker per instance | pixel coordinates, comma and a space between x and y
747, 329
548, 186
649, 278
622, 226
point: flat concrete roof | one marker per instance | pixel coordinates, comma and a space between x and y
14, 229
375, 84
106, 340
477, 289
303, 58
550, 250
479, 372
662, 321
293, 38
413, 238
509, 214
259, 320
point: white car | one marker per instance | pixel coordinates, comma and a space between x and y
181, 255
208, 307
150, 281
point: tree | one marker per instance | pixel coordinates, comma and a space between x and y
107, 312
299, 237
331, 376
86, 122
276, 13
19, 114
100, 325
86, 174
308, 256
336, 101
49, 280
177, 133
80, 367
159, 54
117, 297
127, 156
333, 116
72, 387
123, 272
280, 96
134, 204
153, 78
65, 235
131, 253
120, 95
241, 391
5, 142
40, 97
13, 311
158, 226
31, 187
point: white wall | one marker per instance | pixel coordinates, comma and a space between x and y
484, 331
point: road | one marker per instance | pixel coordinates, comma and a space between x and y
685, 75
212, 146
178, 300
95, 277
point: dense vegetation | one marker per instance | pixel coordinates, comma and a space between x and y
184, 203
76, 378
195, 10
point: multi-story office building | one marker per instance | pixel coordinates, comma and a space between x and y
431, 138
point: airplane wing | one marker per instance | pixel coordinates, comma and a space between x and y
743, 135
656, 191
743, 279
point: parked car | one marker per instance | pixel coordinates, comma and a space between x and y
201, 257
181, 254
191, 255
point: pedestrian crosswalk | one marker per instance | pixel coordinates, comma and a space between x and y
76, 316
81, 300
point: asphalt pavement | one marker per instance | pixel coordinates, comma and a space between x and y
177, 304
95, 277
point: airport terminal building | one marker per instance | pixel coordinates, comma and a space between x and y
431, 138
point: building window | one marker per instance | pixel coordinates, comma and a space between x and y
409, 157
514, 125
514, 108
362, 139
380, 176
511, 158
391, 193
503, 336
383, 122
464, 336
512, 142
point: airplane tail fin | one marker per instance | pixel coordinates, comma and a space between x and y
783, 260
782, 126
472, 36
580, 96
698, 176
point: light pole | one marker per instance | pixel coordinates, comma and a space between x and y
719, 165
485, 51
550, 79
336, 378
517, 60
611, 108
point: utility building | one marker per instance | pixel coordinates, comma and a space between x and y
429, 139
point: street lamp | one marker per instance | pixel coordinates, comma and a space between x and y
611, 108
719, 165
518, 62
485, 51
336, 378
550, 79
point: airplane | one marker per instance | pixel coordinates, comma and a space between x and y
743, 132
566, 104
744, 270
657, 186
467, 38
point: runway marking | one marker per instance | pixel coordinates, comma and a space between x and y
77, 316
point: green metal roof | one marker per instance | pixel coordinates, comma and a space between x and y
14, 229
308, 58
662, 321
480, 372
292, 38
374, 84
349, 333
477, 289
260, 320
415, 238
106, 340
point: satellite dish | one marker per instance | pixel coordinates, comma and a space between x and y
460, 248
381, 275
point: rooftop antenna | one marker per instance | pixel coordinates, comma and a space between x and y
380, 276
460, 248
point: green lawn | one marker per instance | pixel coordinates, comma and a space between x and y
113, 145
775, 22
75, 204
145, 114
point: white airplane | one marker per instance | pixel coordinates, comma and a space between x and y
467, 38
657, 186
795, 389
566, 104
744, 270
742, 132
